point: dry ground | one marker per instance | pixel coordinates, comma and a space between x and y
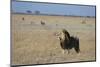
33, 43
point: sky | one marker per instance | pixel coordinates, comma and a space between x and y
56, 9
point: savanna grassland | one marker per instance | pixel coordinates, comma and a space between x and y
34, 43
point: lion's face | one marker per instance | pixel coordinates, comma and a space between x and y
60, 35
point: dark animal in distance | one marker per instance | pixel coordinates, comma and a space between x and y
42, 23
68, 42
23, 18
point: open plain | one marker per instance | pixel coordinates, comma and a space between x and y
35, 43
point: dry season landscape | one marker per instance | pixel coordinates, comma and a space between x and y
36, 43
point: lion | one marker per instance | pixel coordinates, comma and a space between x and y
68, 42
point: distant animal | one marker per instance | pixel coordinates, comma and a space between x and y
23, 18
42, 23
68, 42
83, 22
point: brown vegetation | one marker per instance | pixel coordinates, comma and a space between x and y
37, 44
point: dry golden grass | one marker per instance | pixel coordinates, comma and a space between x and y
33, 43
